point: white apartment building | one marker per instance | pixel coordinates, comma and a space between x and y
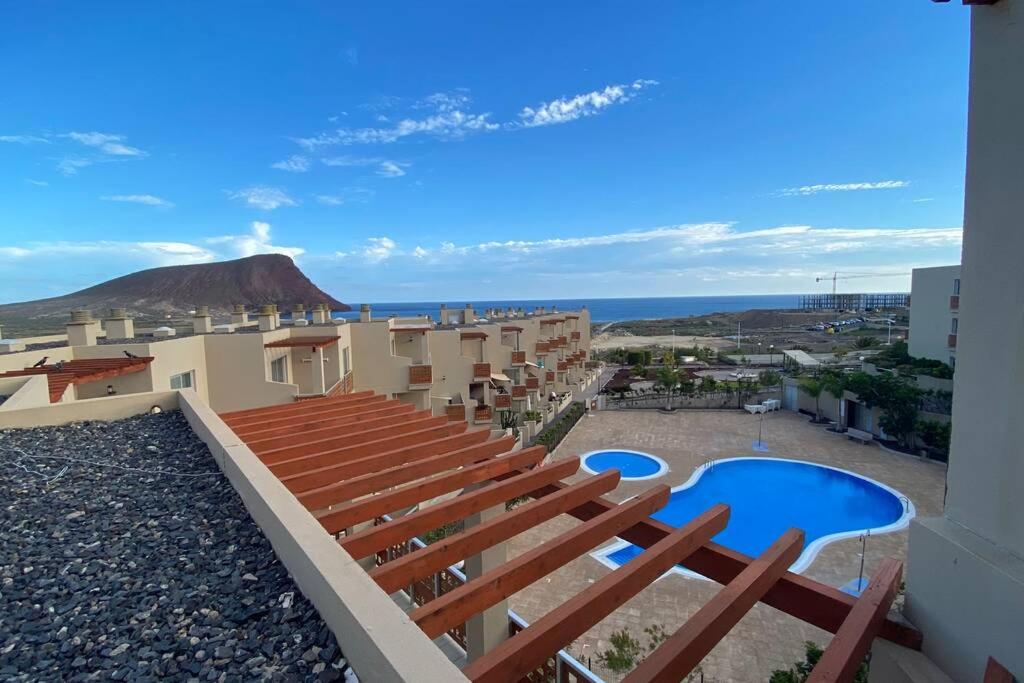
935, 313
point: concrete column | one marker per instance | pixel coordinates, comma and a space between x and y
119, 325
321, 314
267, 318
488, 629
239, 315
202, 322
469, 315
81, 330
965, 571
317, 358
364, 313
299, 315
443, 315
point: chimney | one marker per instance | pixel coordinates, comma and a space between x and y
364, 313
321, 314
299, 315
277, 316
469, 316
268, 318
81, 329
443, 317
239, 315
554, 309
119, 325
202, 323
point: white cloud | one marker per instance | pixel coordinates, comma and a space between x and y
37, 183
924, 199
149, 253
805, 190
349, 160
295, 163
147, 199
563, 110
379, 249
106, 143
69, 166
263, 197
24, 139
330, 199
392, 169
446, 125
420, 252
256, 242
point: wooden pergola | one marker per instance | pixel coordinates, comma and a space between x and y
296, 342
81, 371
354, 460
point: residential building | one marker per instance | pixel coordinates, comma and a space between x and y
935, 313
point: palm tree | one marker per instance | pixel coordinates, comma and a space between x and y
668, 378
813, 387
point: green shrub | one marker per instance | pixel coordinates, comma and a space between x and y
553, 434
801, 670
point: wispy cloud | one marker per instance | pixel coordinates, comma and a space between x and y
148, 253
805, 190
37, 183
263, 197
106, 143
386, 168
446, 125
295, 164
257, 241
566, 109
330, 199
379, 249
147, 199
392, 169
922, 200
24, 139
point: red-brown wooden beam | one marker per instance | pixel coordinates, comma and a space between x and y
816, 603
290, 408
846, 652
996, 673
312, 408
332, 434
683, 650
325, 479
531, 647
382, 480
369, 541
302, 449
448, 551
299, 424
349, 514
441, 614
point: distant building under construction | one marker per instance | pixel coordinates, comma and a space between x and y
853, 302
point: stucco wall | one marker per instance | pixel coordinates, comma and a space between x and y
930, 314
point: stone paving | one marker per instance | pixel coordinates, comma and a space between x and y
765, 639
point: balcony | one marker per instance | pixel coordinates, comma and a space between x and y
563, 340
420, 376
951, 343
549, 376
533, 382
543, 348
481, 370
482, 414
954, 302
563, 366
455, 412
502, 401
519, 358
519, 391
575, 336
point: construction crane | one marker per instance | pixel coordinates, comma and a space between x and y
852, 276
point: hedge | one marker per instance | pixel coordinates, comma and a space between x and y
553, 434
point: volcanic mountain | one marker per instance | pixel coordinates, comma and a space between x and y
176, 290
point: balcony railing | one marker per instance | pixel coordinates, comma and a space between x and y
575, 335
421, 374
481, 370
519, 391
519, 358
549, 376
562, 366
503, 401
543, 347
533, 382
482, 414
954, 302
952, 341
455, 412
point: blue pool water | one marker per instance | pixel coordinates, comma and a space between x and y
769, 496
631, 464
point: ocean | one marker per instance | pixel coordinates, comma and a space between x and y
601, 310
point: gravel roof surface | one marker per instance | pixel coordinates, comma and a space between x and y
113, 573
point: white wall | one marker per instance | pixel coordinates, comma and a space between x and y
930, 313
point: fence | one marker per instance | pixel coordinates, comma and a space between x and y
708, 400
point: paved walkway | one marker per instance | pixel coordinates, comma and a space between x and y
765, 639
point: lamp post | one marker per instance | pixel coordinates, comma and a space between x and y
771, 357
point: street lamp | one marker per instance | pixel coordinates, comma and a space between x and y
771, 351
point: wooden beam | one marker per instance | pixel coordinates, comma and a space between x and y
319, 410
334, 433
524, 652
378, 481
448, 551
366, 509
676, 657
996, 673
320, 479
287, 408
441, 614
298, 424
816, 603
369, 541
302, 449
846, 652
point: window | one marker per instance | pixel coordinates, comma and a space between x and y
344, 361
182, 381
279, 369
956, 287
955, 325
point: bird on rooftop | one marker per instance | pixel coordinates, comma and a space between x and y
41, 362
129, 354
59, 365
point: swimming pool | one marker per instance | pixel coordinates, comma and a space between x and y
768, 496
633, 465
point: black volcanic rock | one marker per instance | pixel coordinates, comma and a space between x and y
262, 279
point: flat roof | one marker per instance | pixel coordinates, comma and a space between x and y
802, 358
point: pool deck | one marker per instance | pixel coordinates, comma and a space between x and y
765, 639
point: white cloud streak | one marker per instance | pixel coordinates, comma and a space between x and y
806, 190
24, 139
379, 249
106, 143
263, 197
566, 109
147, 199
294, 164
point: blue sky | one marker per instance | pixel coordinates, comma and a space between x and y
416, 151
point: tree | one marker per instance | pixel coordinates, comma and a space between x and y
639, 370
812, 387
834, 384
865, 342
769, 378
839, 353
801, 670
707, 384
897, 398
668, 379
624, 653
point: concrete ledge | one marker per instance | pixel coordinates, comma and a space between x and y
376, 636
31, 391
106, 408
